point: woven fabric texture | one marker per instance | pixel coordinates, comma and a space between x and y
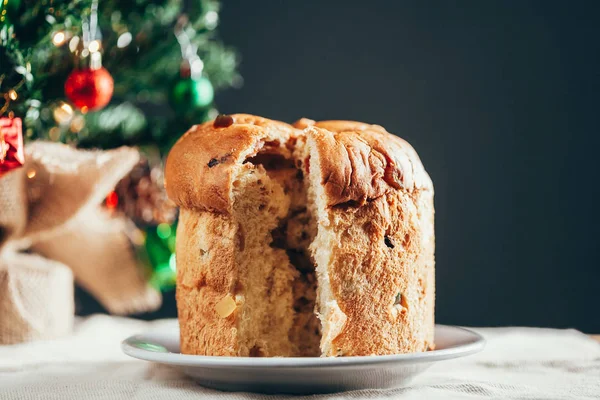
52, 230
517, 363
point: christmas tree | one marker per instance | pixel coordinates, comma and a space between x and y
112, 73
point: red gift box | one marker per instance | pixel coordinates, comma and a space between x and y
11, 144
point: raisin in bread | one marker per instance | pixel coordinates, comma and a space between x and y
315, 239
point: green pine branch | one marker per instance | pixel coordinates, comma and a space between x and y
144, 71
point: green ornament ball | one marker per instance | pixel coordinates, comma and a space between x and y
193, 93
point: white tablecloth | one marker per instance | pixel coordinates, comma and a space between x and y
523, 363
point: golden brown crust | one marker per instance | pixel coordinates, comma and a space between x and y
206, 272
200, 166
381, 275
376, 238
378, 208
362, 162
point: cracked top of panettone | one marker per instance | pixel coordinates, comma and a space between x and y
358, 162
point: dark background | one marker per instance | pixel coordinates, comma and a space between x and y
500, 99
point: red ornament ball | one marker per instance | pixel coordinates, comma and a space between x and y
89, 89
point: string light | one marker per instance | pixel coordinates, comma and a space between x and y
212, 113
59, 38
77, 124
63, 113
196, 67
163, 230
173, 262
94, 46
9, 96
67, 108
124, 40
137, 237
211, 19
31, 173
54, 133
73, 43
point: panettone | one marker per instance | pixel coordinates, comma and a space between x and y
315, 239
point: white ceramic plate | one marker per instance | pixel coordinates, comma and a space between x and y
300, 375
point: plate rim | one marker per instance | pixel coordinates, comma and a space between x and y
476, 345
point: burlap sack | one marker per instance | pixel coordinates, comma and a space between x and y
36, 299
50, 208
